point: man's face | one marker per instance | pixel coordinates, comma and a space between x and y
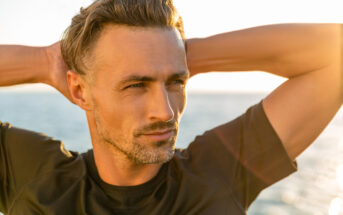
138, 91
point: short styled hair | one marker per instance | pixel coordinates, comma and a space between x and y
80, 37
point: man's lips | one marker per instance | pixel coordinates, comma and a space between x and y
159, 135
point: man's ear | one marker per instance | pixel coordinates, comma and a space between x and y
79, 90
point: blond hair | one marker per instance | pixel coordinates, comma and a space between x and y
80, 37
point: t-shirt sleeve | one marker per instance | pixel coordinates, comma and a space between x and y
24, 156
246, 154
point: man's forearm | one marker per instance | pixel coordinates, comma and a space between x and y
287, 50
309, 55
22, 64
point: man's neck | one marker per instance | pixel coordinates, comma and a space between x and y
116, 169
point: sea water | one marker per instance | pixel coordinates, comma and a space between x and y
316, 189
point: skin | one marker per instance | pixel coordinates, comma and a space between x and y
308, 55
134, 101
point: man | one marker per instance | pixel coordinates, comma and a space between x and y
127, 69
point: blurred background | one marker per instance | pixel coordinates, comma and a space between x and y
316, 189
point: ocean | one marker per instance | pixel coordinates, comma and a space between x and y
315, 189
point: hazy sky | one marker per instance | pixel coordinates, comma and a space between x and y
41, 22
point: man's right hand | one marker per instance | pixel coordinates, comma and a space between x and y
26, 64
57, 70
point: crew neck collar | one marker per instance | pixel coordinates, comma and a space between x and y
141, 188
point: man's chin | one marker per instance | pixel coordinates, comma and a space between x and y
156, 152
163, 152
165, 157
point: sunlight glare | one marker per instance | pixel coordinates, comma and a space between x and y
335, 206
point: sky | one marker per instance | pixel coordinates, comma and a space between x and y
42, 22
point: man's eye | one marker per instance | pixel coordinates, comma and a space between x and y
137, 85
179, 81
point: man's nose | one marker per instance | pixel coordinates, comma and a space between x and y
160, 106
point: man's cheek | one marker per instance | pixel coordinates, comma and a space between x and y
179, 103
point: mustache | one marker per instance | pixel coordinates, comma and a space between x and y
170, 125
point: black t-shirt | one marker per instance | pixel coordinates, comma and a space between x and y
221, 172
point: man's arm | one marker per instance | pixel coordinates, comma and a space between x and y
309, 55
18, 65
24, 64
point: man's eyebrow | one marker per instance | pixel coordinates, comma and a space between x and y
137, 78
183, 75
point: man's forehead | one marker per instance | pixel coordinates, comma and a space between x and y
127, 38
123, 47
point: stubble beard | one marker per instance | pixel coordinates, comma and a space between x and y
160, 152
142, 155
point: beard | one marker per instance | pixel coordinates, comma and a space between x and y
141, 152
162, 151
